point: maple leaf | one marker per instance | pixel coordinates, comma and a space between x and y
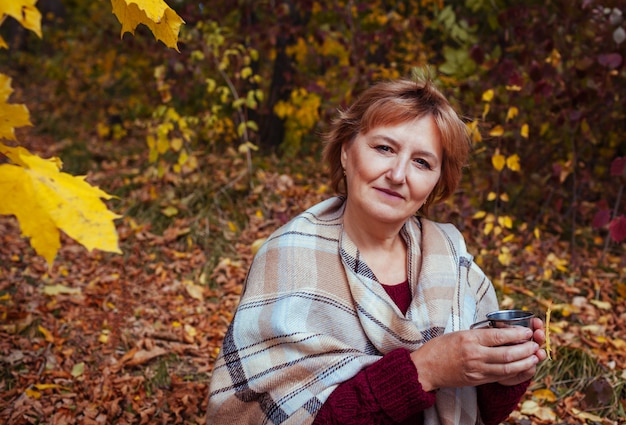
11, 116
155, 14
46, 200
24, 12
618, 166
617, 228
601, 218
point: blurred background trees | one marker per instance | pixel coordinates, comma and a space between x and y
541, 84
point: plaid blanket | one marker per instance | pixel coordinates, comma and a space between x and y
312, 315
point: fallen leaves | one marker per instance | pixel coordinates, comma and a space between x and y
102, 338
532, 408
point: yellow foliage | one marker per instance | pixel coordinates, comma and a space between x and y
513, 162
46, 200
498, 161
474, 132
511, 113
332, 47
524, 131
479, 214
505, 221
486, 110
155, 14
488, 95
496, 131
11, 116
299, 50
544, 394
554, 59
24, 12
505, 256
301, 114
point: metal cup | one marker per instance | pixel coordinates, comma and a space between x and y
506, 319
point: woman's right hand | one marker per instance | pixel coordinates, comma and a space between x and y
475, 357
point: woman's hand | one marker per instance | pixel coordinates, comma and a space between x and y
539, 336
480, 356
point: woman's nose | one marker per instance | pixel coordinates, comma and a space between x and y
397, 172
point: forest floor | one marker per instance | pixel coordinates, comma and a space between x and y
101, 338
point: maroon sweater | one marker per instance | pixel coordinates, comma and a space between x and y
389, 392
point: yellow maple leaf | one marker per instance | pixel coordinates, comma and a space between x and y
24, 12
11, 116
524, 131
498, 161
155, 14
496, 131
46, 200
513, 162
511, 113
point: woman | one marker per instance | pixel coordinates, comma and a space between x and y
358, 311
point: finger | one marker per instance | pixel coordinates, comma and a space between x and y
541, 354
513, 353
503, 336
539, 336
513, 372
537, 323
519, 378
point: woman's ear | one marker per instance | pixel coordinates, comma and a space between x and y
344, 156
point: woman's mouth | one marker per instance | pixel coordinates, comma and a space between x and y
390, 192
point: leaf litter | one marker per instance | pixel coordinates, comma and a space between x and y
132, 338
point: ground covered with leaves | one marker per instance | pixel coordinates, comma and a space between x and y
132, 338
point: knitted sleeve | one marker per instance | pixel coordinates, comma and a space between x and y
496, 402
385, 392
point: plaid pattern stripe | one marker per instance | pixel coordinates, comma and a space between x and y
313, 314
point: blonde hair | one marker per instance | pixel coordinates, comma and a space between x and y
395, 102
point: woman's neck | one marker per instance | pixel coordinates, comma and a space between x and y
370, 236
381, 246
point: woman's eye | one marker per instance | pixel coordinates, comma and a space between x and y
383, 148
423, 163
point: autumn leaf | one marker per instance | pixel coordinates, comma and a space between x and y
618, 166
513, 162
497, 131
498, 161
601, 218
531, 407
24, 12
11, 116
46, 200
524, 131
617, 228
474, 131
511, 113
155, 14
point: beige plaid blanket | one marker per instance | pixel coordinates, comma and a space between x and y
312, 315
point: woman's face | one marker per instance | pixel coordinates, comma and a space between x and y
391, 170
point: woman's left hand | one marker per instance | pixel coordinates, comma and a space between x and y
539, 336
